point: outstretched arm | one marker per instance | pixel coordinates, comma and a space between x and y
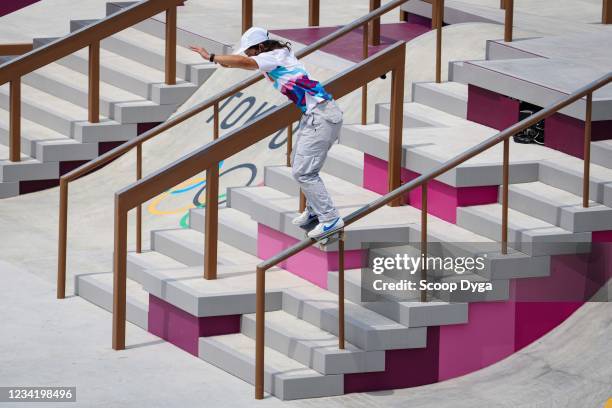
228, 61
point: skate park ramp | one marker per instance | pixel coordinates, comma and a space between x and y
29, 223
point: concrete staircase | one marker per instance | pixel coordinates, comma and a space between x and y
302, 357
56, 134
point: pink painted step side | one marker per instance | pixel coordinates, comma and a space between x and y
183, 329
9, 6
491, 109
311, 264
566, 134
403, 369
442, 199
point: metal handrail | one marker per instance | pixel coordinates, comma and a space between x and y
422, 181
208, 103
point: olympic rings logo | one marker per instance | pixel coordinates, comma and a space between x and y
197, 185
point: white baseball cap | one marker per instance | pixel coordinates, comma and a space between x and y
251, 37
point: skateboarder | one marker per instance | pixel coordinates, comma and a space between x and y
319, 126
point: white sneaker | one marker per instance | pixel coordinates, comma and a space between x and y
326, 228
304, 218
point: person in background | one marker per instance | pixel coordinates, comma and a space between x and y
319, 126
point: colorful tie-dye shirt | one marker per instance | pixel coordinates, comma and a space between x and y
291, 78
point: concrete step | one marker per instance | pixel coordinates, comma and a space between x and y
187, 246
26, 169
138, 263
156, 27
97, 288
276, 203
284, 377
418, 115
115, 103
364, 328
275, 209
345, 162
232, 293
408, 313
601, 153
449, 97
45, 144
135, 77
311, 346
236, 228
426, 148
559, 207
525, 233
9, 189
151, 50
66, 118
456, 72
567, 174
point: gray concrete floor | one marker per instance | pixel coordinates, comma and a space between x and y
46, 342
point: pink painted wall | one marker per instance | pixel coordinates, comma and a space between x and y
491, 109
8, 6
183, 329
442, 199
311, 264
566, 134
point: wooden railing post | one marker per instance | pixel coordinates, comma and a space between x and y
94, 82
502, 4
211, 223
302, 206
505, 182
171, 46
139, 208
374, 24
119, 276
15, 120
395, 128
509, 20
606, 12
313, 13
440, 23
211, 220
260, 316
364, 88
63, 232
289, 144
587, 151
424, 238
341, 291
247, 14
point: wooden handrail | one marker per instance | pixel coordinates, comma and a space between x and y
15, 49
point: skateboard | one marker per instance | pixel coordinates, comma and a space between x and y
326, 239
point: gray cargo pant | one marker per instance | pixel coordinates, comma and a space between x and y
318, 130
